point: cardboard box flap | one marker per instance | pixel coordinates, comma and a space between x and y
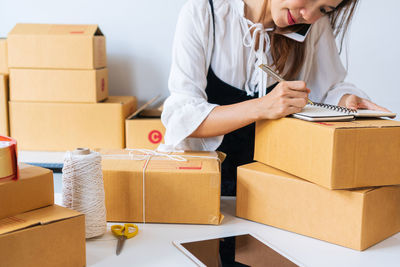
359, 123
26, 171
133, 160
143, 111
36, 217
56, 29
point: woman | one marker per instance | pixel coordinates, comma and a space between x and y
217, 89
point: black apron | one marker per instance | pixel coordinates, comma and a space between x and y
239, 144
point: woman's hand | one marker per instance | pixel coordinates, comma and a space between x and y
355, 102
286, 98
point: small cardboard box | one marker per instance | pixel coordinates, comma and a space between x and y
336, 155
33, 190
50, 85
3, 56
4, 130
144, 129
51, 46
356, 219
66, 126
176, 188
51, 236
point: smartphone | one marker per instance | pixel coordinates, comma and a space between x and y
300, 35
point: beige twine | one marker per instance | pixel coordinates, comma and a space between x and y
83, 190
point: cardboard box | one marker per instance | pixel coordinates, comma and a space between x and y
3, 56
66, 126
51, 236
52, 46
49, 85
4, 130
336, 155
175, 191
356, 219
33, 190
144, 129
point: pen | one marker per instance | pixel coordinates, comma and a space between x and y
276, 76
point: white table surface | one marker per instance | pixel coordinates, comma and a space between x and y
153, 245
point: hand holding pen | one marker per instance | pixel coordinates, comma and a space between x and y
276, 76
286, 98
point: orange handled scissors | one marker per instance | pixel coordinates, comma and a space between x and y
123, 233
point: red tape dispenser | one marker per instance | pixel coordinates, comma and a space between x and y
8, 159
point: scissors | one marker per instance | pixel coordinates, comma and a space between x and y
123, 233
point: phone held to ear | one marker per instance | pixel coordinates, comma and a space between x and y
300, 35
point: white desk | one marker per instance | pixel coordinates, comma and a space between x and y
153, 245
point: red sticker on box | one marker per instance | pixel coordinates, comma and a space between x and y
155, 137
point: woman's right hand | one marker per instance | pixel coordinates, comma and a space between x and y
286, 98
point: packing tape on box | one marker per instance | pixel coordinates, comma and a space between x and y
8, 159
148, 155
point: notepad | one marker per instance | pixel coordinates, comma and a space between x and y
325, 112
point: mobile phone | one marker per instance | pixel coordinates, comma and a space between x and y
300, 35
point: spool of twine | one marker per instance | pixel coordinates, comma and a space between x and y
83, 189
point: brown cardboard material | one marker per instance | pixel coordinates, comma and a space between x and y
3, 56
4, 130
336, 155
356, 219
56, 46
175, 191
50, 85
66, 126
33, 190
51, 236
144, 130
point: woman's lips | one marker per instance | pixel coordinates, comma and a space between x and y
291, 20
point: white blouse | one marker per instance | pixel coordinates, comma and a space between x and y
235, 61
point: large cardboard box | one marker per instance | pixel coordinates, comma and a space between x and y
144, 129
356, 219
66, 126
336, 155
4, 130
33, 190
56, 46
3, 56
174, 188
51, 236
49, 85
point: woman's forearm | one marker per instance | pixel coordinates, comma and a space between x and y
225, 119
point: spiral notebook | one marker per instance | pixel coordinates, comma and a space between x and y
326, 112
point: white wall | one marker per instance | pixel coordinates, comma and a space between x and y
139, 38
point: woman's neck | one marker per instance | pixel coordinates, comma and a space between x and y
254, 11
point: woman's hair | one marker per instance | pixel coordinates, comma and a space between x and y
284, 49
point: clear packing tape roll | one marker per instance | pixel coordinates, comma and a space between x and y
8, 159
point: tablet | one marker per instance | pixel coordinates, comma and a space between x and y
234, 250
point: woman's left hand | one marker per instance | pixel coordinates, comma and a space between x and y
355, 102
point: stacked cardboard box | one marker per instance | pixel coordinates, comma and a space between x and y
59, 89
34, 231
335, 181
3, 88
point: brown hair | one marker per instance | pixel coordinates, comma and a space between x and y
282, 48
